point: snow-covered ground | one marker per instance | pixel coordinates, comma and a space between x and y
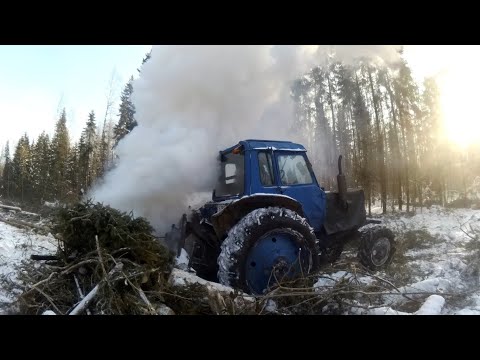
17, 245
436, 256
436, 263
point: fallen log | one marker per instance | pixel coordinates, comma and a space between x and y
80, 293
8, 207
82, 305
25, 225
432, 306
27, 213
220, 298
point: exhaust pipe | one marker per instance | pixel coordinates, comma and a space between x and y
341, 184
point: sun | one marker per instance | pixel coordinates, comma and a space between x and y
459, 99
458, 77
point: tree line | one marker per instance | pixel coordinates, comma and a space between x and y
57, 169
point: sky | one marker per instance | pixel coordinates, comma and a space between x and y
37, 81
458, 76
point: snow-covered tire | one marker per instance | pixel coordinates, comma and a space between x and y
377, 247
265, 224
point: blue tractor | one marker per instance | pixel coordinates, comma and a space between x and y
270, 220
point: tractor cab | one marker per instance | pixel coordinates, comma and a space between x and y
270, 168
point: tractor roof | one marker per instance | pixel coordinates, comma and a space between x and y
254, 144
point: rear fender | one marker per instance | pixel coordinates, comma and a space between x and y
225, 219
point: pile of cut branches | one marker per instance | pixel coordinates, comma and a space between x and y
107, 262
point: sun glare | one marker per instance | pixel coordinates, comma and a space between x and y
460, 97
458, 74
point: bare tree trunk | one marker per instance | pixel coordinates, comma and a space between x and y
330, 97
380, 147
395, 144
464, 183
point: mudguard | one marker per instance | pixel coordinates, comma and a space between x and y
225, 219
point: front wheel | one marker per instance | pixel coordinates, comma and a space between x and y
266, 246
377, 247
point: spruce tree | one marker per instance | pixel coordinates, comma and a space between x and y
59, 152
126, 121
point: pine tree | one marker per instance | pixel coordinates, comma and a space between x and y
87, 153
407, 100
41, 168
73, 170
2, 160
127, 121
346, 93
380, 150
437, 151
60, 148
362, 121
323, 136
104, 150
6, 184
21, 170
145, 59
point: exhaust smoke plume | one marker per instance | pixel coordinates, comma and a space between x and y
193, 101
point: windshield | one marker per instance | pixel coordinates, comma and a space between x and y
231, 179
294, 170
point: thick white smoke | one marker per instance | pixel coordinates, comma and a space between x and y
191, 102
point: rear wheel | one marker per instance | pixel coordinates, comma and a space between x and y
266, 246
377, 247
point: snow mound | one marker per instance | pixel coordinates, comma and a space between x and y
432, 306
182, 260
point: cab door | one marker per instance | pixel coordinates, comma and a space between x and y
266, 181
297, 180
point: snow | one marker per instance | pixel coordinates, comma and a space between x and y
467, 312
228, 202
271, 306
432, 306
419, 289
182, 278
17, 245
325, 282
164, 310
386, 311
274, 149
267, 194
440, 262
182, 260
51, 204
48, 312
